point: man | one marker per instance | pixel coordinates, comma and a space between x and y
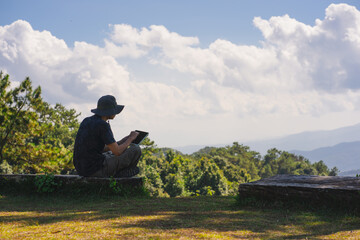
96, 153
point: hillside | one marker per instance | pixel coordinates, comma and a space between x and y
339, 147
345, 156
350, 173
305, 141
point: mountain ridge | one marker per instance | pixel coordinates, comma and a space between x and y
345, 156
309, 140
338, 147
304, 141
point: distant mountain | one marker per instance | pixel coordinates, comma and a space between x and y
345, 156
194, 148
307, 141
339, 147
351, 173
164, 150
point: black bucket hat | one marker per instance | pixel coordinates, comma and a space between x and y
107, 106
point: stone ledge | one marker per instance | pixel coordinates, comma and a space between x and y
74, 178
335, 189
26, 183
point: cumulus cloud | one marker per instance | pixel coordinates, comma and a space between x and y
84, 73
294, 56
327, 52
298, 69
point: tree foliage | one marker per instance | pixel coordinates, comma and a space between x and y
218, 171
34, 136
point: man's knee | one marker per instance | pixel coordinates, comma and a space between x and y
136, 149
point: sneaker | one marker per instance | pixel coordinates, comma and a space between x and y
127, 172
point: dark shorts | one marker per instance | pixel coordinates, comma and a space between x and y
113, 164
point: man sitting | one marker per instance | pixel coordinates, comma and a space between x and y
96, 153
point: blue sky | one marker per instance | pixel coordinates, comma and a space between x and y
88, 20
208, 72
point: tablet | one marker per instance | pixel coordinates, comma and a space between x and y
142, 135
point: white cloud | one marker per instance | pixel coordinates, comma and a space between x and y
299, 70
84, 73
327, 52
155, 36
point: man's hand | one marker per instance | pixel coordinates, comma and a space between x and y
133, 135
118, 148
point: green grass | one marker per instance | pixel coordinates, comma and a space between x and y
91, 217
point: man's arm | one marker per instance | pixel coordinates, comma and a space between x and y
122, 140
117, 148
106, 148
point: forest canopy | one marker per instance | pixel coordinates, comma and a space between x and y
37, 137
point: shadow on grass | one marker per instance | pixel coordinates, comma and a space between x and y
219, 214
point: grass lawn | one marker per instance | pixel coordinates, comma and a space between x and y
36, 217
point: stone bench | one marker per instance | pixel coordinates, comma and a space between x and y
317, 189
66, 183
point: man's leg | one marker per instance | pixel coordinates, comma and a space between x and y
131, 156
108, 166
134, 154
123, 165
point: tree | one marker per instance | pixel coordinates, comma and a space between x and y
174, 184
16, 116
321, 168
334, 171
208, 178
34, 136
